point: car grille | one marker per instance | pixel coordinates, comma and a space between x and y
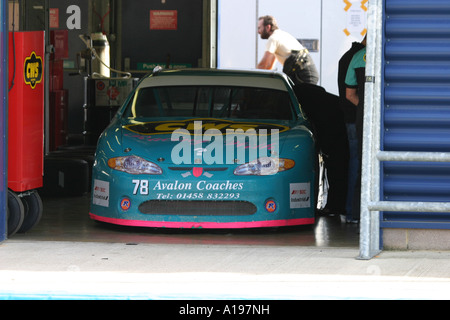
198, 208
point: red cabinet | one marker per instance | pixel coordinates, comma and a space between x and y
26, 110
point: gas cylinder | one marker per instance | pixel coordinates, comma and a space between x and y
101, 60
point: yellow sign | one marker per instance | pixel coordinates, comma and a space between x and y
348, 5
363, 5
33, 70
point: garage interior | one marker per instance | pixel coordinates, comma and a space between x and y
66, 212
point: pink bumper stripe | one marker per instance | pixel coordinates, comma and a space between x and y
206, 225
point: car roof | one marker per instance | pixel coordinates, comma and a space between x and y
224, 77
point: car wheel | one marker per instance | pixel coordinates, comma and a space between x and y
33, 211
15, 214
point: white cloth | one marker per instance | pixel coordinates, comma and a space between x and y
281, 44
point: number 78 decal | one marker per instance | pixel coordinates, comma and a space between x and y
141, 186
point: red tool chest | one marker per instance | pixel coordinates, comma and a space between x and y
26, 110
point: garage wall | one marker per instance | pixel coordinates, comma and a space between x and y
236, 40
334, 23
179, 41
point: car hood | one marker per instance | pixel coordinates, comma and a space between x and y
208, 140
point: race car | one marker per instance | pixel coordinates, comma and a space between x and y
207, 148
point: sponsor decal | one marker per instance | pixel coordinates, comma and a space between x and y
125, 204
168, 127
271, 206
33, 70
187, 190
100, 195
300, 195
201, 185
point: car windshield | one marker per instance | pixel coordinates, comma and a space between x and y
210, 101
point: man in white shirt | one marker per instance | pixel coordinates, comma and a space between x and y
281, 46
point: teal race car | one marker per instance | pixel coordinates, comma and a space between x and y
204, 148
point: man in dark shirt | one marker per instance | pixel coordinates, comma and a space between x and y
349, 110
355, 82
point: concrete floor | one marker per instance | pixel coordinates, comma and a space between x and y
68, 256
67, 219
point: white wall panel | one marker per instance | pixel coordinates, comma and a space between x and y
239, 45
237, 31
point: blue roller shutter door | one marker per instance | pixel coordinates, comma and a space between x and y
416, 110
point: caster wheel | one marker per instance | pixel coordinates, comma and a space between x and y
16, 213
33, 207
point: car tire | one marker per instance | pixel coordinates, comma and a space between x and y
15, 213
33, 207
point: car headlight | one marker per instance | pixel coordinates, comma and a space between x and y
134, 165
264, 167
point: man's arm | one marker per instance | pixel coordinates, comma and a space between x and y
267, 62
352, 95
